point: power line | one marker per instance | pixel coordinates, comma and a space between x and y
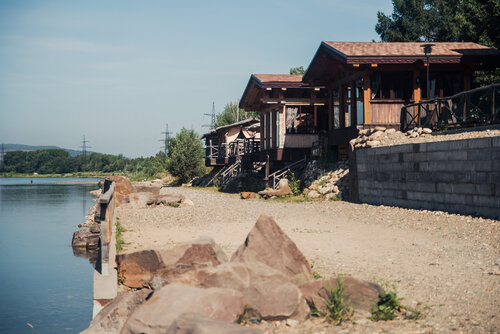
212, 121
165, 140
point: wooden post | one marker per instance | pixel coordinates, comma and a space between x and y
261, 139
331, 106
268, 128
315, 116
342, 107
367, 110
354, 104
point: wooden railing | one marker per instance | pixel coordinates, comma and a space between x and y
230, 171
285, 172
478, 106
235, 148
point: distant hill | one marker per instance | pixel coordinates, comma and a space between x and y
21, 147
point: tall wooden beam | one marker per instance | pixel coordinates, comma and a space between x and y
268, 128
342, 106
367, 107
354, 104
331, 106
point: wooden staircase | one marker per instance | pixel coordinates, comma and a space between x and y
284, 172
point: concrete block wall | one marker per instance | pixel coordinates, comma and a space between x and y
460, 176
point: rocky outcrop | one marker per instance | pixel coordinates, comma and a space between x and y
137, 269
268, 244
361, 296
267, 293
192, 323
161, 310
114, 315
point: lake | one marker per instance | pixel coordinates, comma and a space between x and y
41, 282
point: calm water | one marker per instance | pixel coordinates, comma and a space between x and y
41, 281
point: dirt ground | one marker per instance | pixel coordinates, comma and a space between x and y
445, 265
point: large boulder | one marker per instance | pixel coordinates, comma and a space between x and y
114, 315
267, 292
191, 323
86, 238
137, 269
361, 296
160, 311
268, 244
123, 187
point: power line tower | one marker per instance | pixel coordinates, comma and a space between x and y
212, 121
165, 140
84, 148
2, 154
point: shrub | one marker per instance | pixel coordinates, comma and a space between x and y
336, 311
185, 158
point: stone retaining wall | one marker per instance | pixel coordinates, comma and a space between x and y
460, 176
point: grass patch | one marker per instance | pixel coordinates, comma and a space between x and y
119, 238
336, 310
174, 204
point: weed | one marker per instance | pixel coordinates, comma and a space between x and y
387, 306
294, 183
119, 238
174, 204
336, 311
121, 277
315, 274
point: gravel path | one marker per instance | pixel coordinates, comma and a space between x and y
447, 266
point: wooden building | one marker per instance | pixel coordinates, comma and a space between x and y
368, 83
293, 115
226, 143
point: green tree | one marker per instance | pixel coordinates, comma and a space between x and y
444, 21
297, 70
185, 156
232, 113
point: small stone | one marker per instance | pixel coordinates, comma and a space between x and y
427, 130
389, 131
292, 322
414, 135
419, 130
380, 128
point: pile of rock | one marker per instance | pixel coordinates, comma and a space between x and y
380, 136
192, 288
331, 185
418, 132
372, 137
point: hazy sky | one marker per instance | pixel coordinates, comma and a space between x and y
118, 71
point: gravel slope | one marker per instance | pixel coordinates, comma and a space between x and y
447, 266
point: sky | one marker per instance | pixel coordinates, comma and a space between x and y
119, 71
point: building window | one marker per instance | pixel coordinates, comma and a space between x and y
392, 85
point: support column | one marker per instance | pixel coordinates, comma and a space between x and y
331, 107
342, 107
268, 128
367, 110
354, 105
282, 128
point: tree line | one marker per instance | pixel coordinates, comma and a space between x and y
184, 161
